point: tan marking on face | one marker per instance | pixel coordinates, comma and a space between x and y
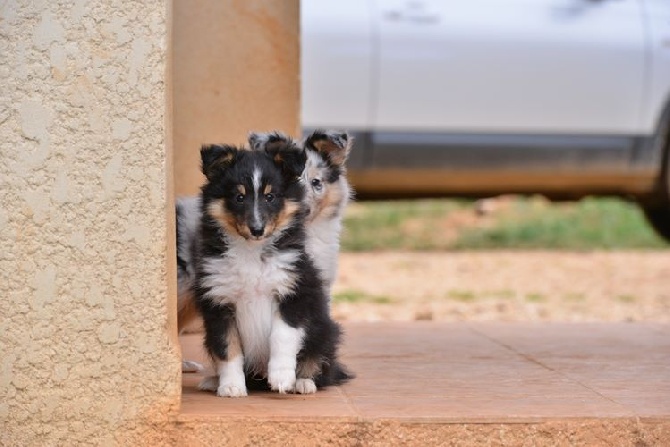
308, 369
233, 341
241, 189
218, 212
268, 189
329, 204
284, 217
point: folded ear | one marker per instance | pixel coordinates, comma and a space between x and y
335, 146
215, 159
288, 156
263, 140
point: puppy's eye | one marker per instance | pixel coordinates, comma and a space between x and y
239, 198
269, 197
316, 184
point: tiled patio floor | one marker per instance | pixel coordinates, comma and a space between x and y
592, 376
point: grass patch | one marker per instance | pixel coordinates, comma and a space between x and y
574, 297
626, 299
357, 296
397, 225
535, 298
523, 223
462, 295
603, 223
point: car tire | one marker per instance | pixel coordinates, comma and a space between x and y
659, 218
657, 209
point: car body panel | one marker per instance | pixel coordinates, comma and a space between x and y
563, 97
517, 66
337, 58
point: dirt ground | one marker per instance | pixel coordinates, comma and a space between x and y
505, 286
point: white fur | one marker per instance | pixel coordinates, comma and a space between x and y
256, 181
251, 279
189, 366
231, 378
305, 386
323, 245
285, 343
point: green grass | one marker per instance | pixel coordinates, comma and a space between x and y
589, 224
464, 296
401, 225
535, 298
525, 223
357, 296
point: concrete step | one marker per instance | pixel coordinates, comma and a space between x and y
427, 383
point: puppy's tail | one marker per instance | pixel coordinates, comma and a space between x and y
334, 373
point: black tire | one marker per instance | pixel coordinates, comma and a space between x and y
658, 217
657, 208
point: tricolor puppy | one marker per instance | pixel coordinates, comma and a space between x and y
260, 296
327, 193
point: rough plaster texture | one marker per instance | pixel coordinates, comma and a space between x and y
236, 69
86, 351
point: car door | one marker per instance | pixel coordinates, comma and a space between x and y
562, 66
337, 55
551, 83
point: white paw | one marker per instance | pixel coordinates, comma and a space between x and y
231, 390
305, 386
282, 380
189, 366
209, 383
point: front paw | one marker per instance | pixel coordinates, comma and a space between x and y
231, 390
282, 380
305, 386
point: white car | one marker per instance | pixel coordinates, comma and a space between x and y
480, 97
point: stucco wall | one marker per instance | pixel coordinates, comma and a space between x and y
87, 348
236, 69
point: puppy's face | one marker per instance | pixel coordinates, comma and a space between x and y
252, 194
326, 187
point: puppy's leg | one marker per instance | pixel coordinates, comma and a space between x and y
223, 343
307, 370
231, 371
285, 343
186, 313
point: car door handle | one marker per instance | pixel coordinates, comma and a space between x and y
418, 17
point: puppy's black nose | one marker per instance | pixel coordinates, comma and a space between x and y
256, 231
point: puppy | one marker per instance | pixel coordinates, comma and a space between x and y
261, 298
188, 226
327, 193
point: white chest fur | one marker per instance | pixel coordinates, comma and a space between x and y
323, 245
253, 282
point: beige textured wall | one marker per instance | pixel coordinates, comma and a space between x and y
236, 69
87, 348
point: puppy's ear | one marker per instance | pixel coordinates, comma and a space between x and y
216, 159
335, 146
288, 156
261, 141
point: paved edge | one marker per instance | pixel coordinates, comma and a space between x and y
203, 430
